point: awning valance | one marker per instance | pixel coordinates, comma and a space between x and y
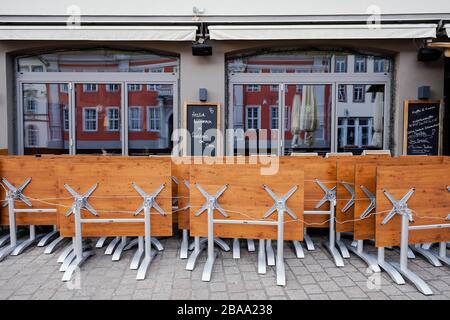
285, 32
99, 33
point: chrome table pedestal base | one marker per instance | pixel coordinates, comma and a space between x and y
390, 270
427, 254
54, 244
299, 253
368, 258
184, 245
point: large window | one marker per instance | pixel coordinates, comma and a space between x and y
108, 102
331, 101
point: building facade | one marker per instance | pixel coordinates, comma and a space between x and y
88, 78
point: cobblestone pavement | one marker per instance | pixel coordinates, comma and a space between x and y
34, 275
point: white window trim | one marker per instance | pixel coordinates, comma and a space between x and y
89, 91
107, 119
112, 84
345, 92
140, 119
148, 119
345, 64
363, 93
35, 130
84, 119
271, 117
258, 107
34, 109
248, 86
134, 84
151, 84
365, 64
66, 110
287, 115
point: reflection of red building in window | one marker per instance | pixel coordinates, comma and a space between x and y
264, 98
98, 106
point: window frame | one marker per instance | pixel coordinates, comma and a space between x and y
258, 117
108, 119
84, 119
363, 93
130, 119
155, 121
345, 60
356, 63
32, 128
86, 85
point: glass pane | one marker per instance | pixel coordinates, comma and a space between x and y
308, 108
283, 62
150, 118
45, 118
98, 118
255, 119
360, 120
98, 60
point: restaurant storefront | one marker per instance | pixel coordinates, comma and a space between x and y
282, 88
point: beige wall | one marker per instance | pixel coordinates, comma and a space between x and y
209, 72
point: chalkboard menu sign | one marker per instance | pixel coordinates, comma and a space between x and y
423, 127
202, 120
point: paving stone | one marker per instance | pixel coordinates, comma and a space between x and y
34, 275
297, 294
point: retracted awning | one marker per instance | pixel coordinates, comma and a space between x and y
99, 33
285, 32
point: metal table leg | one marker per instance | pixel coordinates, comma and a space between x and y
158, 246
131, 244
67, 261
4, 240
138, 254
427, 246
341, 246
365, 256
441, 253
184, 245
54, 244
76, 264
236, 249
298, 249
119, 249
390, 270
270, 254
198, 248
48, 237
262, 257
309, 243
250, 245
101, 242
112, 245
222, 244
22, 246
431, 258
65, 253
